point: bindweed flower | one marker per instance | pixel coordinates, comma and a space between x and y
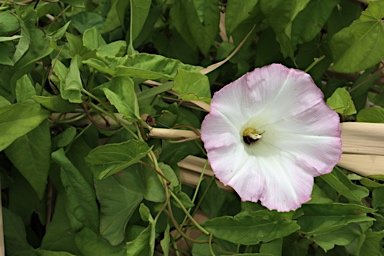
268, 135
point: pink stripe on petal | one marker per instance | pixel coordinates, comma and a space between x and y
217, 131
317, 120
297, 93
277, 181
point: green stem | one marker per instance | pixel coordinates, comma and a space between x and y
131, 50
160, 211
72, 119
159, 173
200, 201
196, 192
317, 60
212, 179
112, 115
200, 179
189, 215
365, 80
92, 96
210, 244
179, 229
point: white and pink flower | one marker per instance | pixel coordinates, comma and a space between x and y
268, 135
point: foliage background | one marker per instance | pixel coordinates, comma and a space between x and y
79, 176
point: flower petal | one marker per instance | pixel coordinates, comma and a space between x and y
285, 92
226, 161
312, 136
275, 178
218, 131
300, 136
234, 102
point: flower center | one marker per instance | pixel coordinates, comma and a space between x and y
251, 135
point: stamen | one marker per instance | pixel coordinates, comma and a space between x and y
251, 135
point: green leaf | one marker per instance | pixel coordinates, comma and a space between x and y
361, 87
85, 20
89, 243
92, 39
371, 115
295, 245
341, 102
184, 199
170, 174
59, 235
203, 33
167, 119
315, 13
218, 247
192, 85
9, 23
115, 17
121, 94
79, 149
23, 200
236, 12
341, 237
82, 208
75, 3
274, 247
4, 102
41, 252
165, 242
58, 34
6, 52
178, 13
112, 158
27, 32
24, 89
30, 154
73, 84
145, 213
343, 16
377, 199
14, 235
202, 7
142, 65
119, 196
238, 229
358, 46
144, 243
217, 202
252, 254
75, 45
71, 94
116, 48
17, 120
65, 138
36, 51
139, 14
338, 181
322, 218
55, 103
280, 16
154, 190
370, 243
154, 91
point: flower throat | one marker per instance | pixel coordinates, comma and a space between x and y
251, 135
